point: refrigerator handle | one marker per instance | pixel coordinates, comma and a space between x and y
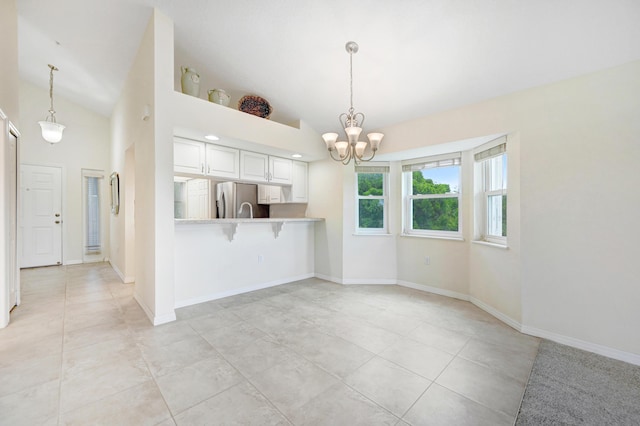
224, 206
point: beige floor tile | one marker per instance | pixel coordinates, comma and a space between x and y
36, 405
164, 334
163, 360
442, 407
139, 405
341, 405
240, 405
258, 356
191, 385
421, 359
214, 321
506, 359
94, 372
484, 385
232, 338
98, 333
195, 311
388, 384
367, 336
22, 374
439, 338
292, 384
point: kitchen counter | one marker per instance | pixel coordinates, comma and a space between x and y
246, 220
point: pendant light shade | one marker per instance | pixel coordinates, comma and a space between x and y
51, 129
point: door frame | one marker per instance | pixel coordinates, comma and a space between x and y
63, 199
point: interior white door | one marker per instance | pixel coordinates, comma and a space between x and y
41, 215
12, 191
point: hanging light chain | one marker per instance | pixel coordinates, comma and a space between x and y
51, 110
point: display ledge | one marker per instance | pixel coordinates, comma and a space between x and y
277, 223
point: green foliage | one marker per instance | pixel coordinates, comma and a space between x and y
437, 214
371, 212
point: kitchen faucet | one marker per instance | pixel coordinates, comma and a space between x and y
250, 209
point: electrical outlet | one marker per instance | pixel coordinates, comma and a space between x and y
427, 260
260, 259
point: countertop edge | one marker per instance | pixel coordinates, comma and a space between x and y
245, 220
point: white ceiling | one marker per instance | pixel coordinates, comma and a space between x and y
416, 57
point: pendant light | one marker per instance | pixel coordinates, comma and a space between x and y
351, 123
51, 130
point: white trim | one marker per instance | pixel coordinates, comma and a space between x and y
126, 280
435, 237
236, 291
369, 281
328, 278
496, 313
435, 290
155, 320
72, 262
581, 344
488, 244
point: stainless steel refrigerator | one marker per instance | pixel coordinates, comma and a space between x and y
232, 199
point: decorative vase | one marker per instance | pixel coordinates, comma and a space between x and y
219, 96
190, 82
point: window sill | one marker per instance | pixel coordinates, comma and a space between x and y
495, 245
433, 237
371, 234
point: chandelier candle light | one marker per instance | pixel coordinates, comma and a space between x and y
51, 130
351, 123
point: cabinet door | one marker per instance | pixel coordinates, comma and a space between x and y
222, 162
280, 170
299, 185
188, 156
270, 194
254, 167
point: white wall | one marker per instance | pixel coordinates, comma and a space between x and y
209, 266
149, 144
578, 208
325, 201
9, 102
85, 144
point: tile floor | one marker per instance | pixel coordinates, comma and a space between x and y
79, 350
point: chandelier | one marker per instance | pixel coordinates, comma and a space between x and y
351, 123
51, 130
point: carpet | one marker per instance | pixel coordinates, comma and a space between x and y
570, 386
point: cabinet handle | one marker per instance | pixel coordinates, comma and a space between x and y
208, 169
202, 167
57, 221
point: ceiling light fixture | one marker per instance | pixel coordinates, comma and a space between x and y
211, 137
296, 155
351, 123
51, 130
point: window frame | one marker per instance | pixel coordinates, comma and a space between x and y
372, 169
99, 254
484, 169
408, 197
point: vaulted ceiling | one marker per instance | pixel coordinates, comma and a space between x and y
416, 57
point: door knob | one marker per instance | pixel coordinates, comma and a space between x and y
57, 214
57, 221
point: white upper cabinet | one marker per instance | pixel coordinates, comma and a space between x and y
270, 194
280, 170
222, 162
300, 182
257, 167
254, 167
188, 156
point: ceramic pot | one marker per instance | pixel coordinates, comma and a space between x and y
219, 96
190, 82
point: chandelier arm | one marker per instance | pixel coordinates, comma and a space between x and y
373, 154
331, 151
348, 156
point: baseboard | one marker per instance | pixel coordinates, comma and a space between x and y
629, 357
236, 291
496, 313
357, 281
328, 278
435, 290
155, 320
371, 281
125, 279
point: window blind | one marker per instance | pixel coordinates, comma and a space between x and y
92, 223
372, 169
497, 147
432, 162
